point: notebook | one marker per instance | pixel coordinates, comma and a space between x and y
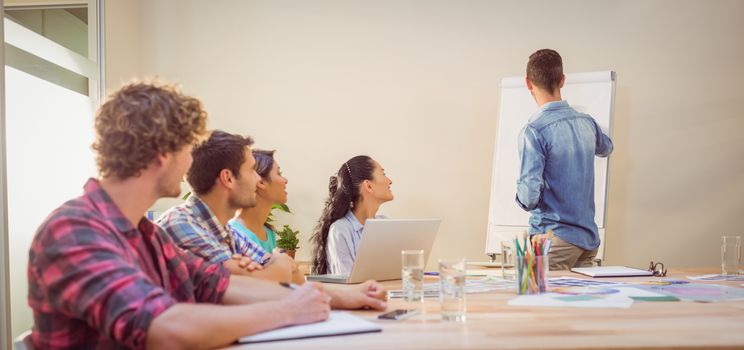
339, 323
611, 271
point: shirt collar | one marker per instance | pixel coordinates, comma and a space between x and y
550, 106
355, 224
203, 213
109, 211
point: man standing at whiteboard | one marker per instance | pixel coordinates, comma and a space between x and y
556, 181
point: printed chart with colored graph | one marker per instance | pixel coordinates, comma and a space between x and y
699, 292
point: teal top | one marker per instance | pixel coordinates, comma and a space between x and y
269, 244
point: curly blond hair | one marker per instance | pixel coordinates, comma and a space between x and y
141, 121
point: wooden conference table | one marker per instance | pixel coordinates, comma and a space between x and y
492, 324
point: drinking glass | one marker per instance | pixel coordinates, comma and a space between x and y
412, 274
730, 255
452, 289
508, 269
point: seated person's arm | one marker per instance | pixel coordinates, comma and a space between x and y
370, 294
279, 268
87, 277
206, 245
256, 305
244, 290
210, 326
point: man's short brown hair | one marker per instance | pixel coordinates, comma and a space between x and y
545, 69
141, 121
221, 151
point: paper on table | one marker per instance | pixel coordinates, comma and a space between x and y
717, 277
621, 298
632, 292
579, 282
477, 285
563, 300
705, 293
337, 324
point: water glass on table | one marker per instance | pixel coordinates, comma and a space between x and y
452, 289
731, 263
508, 253
412, 274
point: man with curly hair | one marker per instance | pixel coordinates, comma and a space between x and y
102, 276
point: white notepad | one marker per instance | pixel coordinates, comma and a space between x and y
339, 323
611, 271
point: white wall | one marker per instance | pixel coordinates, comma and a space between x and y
415, 85
123, 36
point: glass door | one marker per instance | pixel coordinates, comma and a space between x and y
52, 87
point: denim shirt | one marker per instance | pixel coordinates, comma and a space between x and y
556, 181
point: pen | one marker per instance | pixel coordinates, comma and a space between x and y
431, 273
288, 285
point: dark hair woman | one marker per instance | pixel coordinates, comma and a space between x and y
354, 195
270, 190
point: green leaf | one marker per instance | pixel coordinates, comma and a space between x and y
282, 207
288, 238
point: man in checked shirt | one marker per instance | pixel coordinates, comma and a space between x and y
102, 276
224, 180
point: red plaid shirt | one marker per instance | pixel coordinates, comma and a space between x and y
97, 282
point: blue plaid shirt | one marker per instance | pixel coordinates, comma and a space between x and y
195, 228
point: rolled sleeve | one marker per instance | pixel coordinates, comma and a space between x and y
604, 144
530, 183
87, 278
210, 280
248, 247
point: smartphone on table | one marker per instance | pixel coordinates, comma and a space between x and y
398, 314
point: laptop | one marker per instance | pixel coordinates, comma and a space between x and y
378, 255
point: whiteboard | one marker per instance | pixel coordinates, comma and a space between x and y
592, 93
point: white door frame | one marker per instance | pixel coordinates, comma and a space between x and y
67, 59
4, 270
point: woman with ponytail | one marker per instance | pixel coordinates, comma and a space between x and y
354, 194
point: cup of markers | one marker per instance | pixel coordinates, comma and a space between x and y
532, 265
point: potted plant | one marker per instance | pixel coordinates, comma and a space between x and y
288, 238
